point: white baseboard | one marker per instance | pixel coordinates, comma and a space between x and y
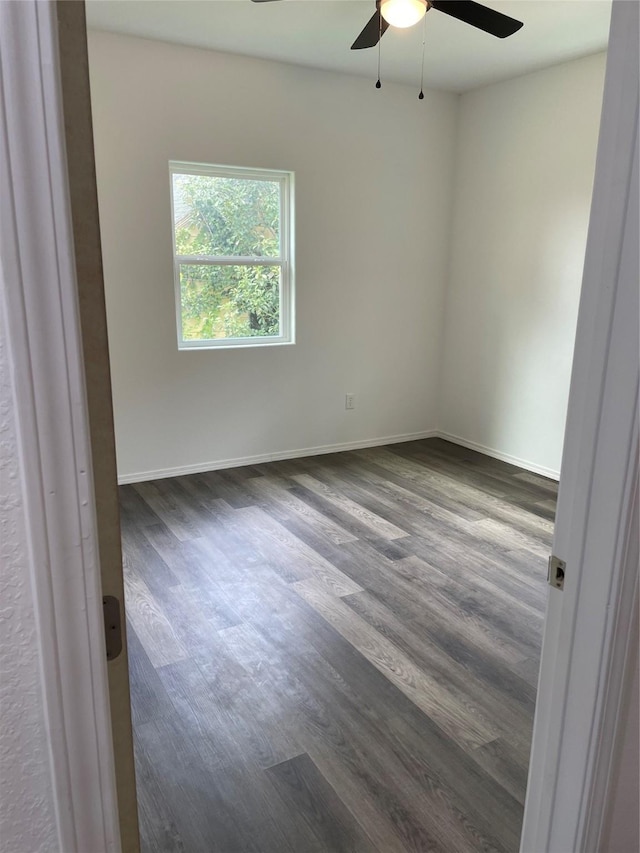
199, 468
498, 454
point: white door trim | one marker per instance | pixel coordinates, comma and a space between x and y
44, 347
588, 625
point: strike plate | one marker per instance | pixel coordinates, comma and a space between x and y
112, 626
557, 568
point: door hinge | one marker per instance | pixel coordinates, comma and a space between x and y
555, 575
112, 626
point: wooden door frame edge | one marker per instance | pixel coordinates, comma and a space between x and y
589, 625
45, 353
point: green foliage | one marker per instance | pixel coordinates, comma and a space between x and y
229, 217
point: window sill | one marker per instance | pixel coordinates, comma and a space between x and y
242, 344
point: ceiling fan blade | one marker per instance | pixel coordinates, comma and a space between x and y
262, 1
370, 35
479, 16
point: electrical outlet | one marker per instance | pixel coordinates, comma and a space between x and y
350, 401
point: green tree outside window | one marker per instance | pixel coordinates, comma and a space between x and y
228, 217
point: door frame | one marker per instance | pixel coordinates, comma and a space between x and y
591, 624
570, 759
44, 347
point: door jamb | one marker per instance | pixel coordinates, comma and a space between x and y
589, 625
45, 354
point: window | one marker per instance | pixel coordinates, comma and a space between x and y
232, 247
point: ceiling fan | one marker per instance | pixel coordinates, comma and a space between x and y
405, 13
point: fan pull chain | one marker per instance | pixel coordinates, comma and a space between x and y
378, 83
424, 34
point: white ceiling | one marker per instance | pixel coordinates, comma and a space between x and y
318, 33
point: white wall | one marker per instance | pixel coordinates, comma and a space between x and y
374, 177
27, 816
524, 172
373, 173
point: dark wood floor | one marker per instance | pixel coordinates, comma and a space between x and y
336, 653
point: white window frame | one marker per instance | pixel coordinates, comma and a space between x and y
284, 261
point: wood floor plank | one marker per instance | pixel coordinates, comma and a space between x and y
507, 536
144, 560
199, 505
198, 710
378, 576
191, 799
336, 653
304, 788
451, 519
341, 751
134, 510
528, 670
511, 573
262, 728
544, 483
499, 759
406, 513
149, 699
282, 547
377, 525
178, 518
517, 621
158, 830
404, 737
229, 488
426, 816
149, 621
198, 568
268, 493
420, 686
415, 462
189, 617
268, 825
427, 496
508, 711
442, 494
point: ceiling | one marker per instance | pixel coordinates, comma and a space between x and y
318, 34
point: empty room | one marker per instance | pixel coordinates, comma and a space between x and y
342, 289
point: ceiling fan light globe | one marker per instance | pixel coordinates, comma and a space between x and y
403, 13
